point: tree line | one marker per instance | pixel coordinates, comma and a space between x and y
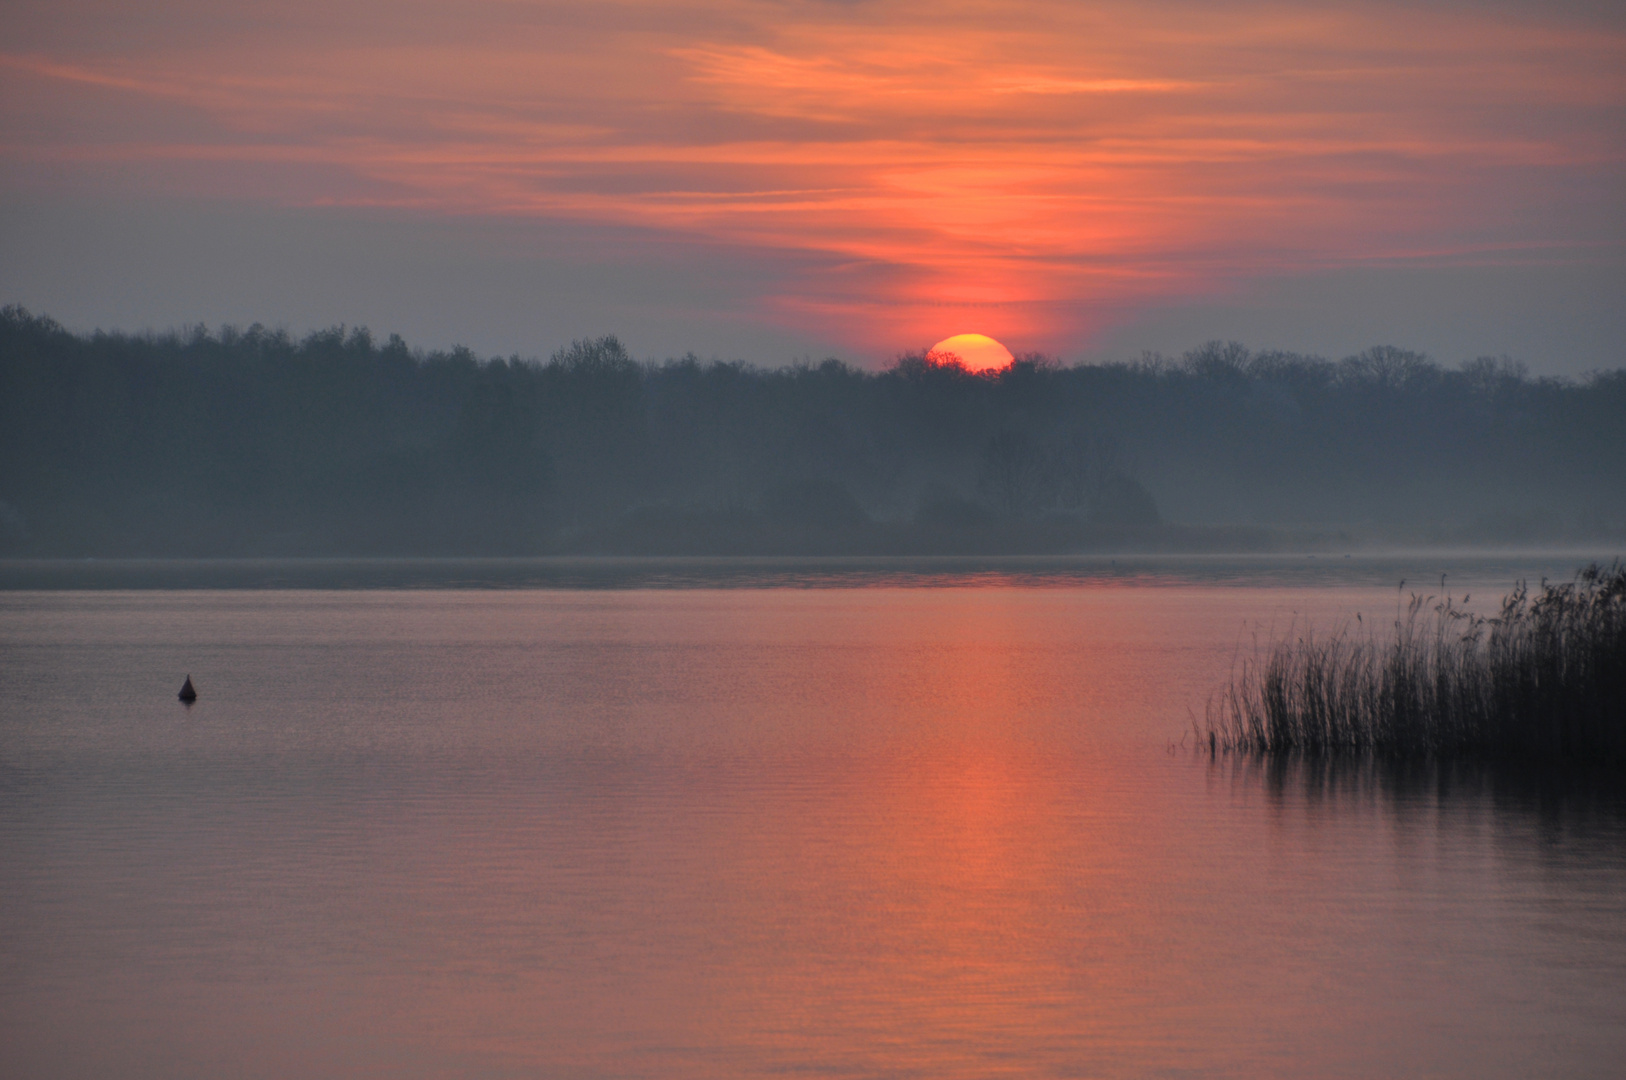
253, 442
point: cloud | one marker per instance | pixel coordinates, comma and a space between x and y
1030, 165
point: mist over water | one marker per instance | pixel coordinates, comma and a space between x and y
911, 828
247, 443
1459, 572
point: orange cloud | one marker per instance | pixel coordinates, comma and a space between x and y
1023, 168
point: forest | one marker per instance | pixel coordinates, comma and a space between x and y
256, 443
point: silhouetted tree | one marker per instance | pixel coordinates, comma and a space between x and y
252, 442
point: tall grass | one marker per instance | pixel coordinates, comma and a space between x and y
1544, 679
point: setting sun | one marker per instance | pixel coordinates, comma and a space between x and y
978, 352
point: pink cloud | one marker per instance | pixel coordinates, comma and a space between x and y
1028, 167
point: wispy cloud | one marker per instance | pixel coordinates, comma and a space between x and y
1022, 165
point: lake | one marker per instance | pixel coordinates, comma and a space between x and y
702, 818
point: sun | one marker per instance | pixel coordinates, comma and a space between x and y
978, 352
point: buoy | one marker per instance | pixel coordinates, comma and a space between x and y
188, 694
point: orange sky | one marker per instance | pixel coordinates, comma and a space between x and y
909, 170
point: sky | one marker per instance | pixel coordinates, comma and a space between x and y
778, 180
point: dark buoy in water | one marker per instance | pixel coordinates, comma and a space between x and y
188, 694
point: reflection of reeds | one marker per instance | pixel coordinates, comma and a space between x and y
1545, 678
1567, 800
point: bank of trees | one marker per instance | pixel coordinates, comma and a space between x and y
253, 442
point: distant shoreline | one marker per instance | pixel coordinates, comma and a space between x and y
1312, 569
252, 444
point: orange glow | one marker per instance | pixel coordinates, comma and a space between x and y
1036, 168
975, 352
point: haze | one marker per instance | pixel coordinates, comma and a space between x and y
775, 180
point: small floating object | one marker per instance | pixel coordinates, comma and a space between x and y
188, 694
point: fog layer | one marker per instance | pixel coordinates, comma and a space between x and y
253, 443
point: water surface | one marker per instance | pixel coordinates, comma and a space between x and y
902, 829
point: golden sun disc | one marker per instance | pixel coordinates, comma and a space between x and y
977, 352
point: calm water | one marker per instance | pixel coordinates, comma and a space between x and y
892, 828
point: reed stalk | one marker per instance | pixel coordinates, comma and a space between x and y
1544, 679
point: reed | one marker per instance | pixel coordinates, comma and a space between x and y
1544, 679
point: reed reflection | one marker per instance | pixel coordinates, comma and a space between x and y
1531, 810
